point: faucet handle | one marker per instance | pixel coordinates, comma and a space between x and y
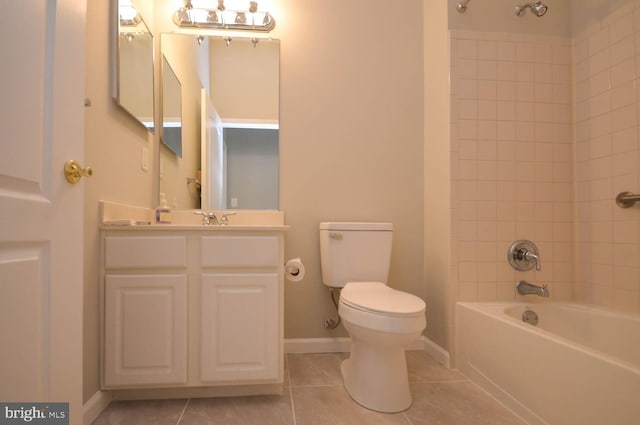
529, 256
224, 219
523, 255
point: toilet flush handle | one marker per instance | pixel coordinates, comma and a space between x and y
335, 236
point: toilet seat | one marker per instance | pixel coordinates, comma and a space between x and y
375, 306
378, 298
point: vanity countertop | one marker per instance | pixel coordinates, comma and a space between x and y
116, 216
200, 227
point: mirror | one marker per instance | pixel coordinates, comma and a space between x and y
133, 85
230, 123
171, 109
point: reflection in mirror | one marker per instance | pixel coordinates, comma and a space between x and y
134, 57
230, 91
171, 109
254, 149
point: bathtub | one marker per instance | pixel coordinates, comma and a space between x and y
578, 365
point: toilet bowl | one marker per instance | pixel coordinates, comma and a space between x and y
381, 322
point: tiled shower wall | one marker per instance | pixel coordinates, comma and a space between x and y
607, 61
544, 135
512, 161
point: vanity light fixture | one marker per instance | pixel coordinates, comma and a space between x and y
222, 18
128, 14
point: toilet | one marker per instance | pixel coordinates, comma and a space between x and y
381, 321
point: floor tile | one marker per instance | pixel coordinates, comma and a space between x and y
258, 410
422, 368
331, 405
314, 394
142, 412
315, 369
456, 403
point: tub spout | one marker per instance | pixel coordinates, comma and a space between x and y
526, 288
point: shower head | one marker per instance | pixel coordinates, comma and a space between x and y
461, 7
537, 8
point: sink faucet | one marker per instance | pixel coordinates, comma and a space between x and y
208, 217
526, 288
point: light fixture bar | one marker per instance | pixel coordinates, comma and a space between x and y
224, 19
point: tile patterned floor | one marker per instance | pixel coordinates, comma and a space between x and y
314, 395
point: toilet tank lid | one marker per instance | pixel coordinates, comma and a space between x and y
355, 225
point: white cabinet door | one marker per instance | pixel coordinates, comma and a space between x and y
239, 327
145, 330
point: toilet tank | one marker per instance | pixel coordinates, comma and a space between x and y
355, 252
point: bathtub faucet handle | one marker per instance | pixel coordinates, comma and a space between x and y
530, 256
523, 255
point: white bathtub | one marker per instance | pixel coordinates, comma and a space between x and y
579, 365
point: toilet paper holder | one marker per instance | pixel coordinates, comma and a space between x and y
294, 270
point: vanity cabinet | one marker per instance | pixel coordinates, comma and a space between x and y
192, 307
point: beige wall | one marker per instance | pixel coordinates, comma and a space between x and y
113, 146
350, 139
245, 79
437, 172
351, 145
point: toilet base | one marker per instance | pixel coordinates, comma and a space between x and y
376, 377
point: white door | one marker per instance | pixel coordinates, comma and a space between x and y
41, 127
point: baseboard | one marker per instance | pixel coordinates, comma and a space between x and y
94, 406
343, 345
317, 345
198, 392
438, 353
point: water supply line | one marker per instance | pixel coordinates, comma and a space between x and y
331, 323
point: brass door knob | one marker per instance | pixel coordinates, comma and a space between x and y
73, 171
